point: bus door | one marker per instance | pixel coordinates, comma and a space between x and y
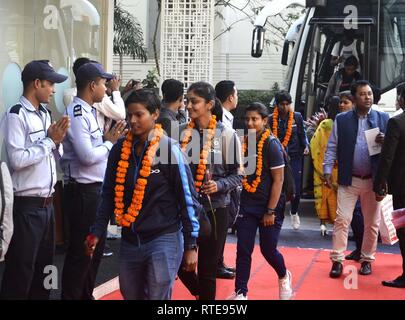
317, 71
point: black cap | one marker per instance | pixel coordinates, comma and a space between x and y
91, 71
42, 70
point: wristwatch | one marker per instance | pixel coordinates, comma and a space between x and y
271, 212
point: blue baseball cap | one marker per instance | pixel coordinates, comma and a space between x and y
91, 71
42, 70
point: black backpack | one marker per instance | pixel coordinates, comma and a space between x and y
289, 182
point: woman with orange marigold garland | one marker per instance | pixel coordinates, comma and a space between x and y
262, 204
288, 127
149, 186
218, 150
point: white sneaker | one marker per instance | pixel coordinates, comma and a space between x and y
237, 296
295, 221
324, 230
285, 287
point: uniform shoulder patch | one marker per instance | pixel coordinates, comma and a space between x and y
77, 111
16, 109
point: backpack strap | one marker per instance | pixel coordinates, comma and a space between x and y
266, 160
340, 47
285, 154
358, 48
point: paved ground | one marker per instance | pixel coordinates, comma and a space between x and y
308, 236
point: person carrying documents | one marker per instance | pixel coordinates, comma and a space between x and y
356, 169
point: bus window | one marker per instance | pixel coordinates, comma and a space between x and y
392, 43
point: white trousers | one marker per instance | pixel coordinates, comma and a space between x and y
346, 201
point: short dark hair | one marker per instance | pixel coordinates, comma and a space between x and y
346, 94
78, 63
351, 61
80, 84
172, 90
203, 90
259, 107
358, 84
349, 33
402, 93
224, 89
401, 90
282, 96
147, 97
27, 83
376, 94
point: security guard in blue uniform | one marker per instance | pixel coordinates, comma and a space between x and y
84, 163
32, 143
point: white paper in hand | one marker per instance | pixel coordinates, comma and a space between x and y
373, 147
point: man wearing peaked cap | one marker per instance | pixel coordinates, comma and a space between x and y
32, 143
42, 70
92, 71
86, 150
111, 108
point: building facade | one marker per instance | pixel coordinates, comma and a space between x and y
231, 57
57, 30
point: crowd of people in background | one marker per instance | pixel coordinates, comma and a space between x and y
170, 171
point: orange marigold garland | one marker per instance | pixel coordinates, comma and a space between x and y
202, 166
289, 126
251, 188
122, 218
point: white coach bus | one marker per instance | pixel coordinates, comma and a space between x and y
378, 24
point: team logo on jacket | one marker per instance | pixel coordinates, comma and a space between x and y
155, 171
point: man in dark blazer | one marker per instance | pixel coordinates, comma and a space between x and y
391, 174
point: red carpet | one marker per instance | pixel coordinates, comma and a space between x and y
310, 270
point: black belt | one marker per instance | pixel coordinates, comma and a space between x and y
84, 186
90, 185
38, 202
369, 176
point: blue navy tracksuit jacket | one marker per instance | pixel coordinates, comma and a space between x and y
298, 140
170, 200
